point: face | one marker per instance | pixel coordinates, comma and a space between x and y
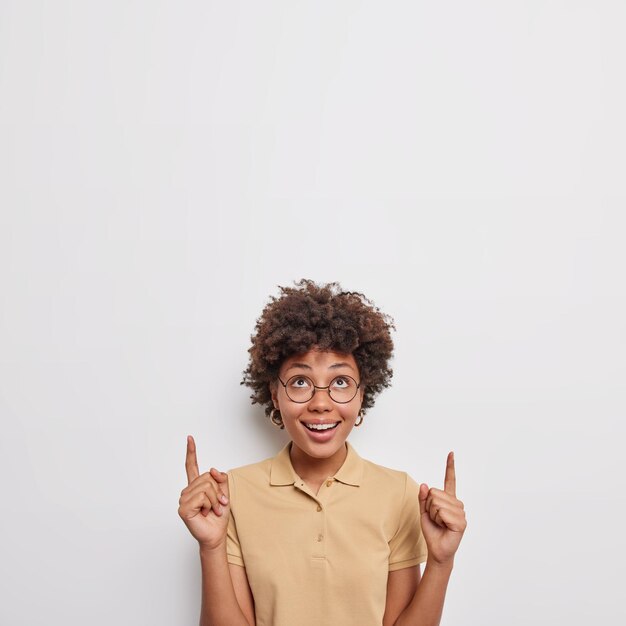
321, 411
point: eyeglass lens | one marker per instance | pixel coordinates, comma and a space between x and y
301, 388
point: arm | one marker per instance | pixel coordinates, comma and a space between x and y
426, 607
443, 522
243, 591
401, 587
204, 506
226, 596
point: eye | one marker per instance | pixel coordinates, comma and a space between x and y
299, 381
341, 382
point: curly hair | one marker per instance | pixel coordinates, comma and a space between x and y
326, 318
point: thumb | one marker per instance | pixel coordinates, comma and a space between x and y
221, 478
423, 496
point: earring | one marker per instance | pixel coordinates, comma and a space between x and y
360, 420
277, 420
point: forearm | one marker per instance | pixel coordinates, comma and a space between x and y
426, 607
219, 603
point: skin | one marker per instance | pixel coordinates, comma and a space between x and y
204, 507
204, 504
442, 517
314, 461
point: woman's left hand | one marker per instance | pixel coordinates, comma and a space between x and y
442, 517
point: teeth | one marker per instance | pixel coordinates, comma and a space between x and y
321, 426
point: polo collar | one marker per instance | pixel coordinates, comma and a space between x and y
351, 472
282, 472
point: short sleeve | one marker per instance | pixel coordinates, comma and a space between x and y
233, 549
408, 546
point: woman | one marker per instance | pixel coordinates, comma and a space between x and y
316, 534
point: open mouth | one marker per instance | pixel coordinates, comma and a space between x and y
320, 428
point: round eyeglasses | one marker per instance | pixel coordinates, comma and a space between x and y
341, 389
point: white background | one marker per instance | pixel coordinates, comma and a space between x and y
164, 165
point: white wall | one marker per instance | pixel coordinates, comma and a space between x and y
164, 165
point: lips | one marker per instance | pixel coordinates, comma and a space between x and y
320, 427
320, 432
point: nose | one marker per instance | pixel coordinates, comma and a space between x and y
320, 401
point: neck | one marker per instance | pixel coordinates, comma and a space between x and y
314, 469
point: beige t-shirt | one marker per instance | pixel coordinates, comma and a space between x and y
322, 559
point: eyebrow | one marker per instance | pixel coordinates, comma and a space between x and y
308, 367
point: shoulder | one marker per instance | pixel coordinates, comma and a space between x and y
251, 473
395, 482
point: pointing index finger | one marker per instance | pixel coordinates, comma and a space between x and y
191, 461
450, 480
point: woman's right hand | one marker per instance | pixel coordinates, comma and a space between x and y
204, 503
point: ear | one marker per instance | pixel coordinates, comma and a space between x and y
274, 393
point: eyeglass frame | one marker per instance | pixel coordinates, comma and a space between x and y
316, 387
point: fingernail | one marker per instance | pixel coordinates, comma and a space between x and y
223, 499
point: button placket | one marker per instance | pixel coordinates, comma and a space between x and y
319, 541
